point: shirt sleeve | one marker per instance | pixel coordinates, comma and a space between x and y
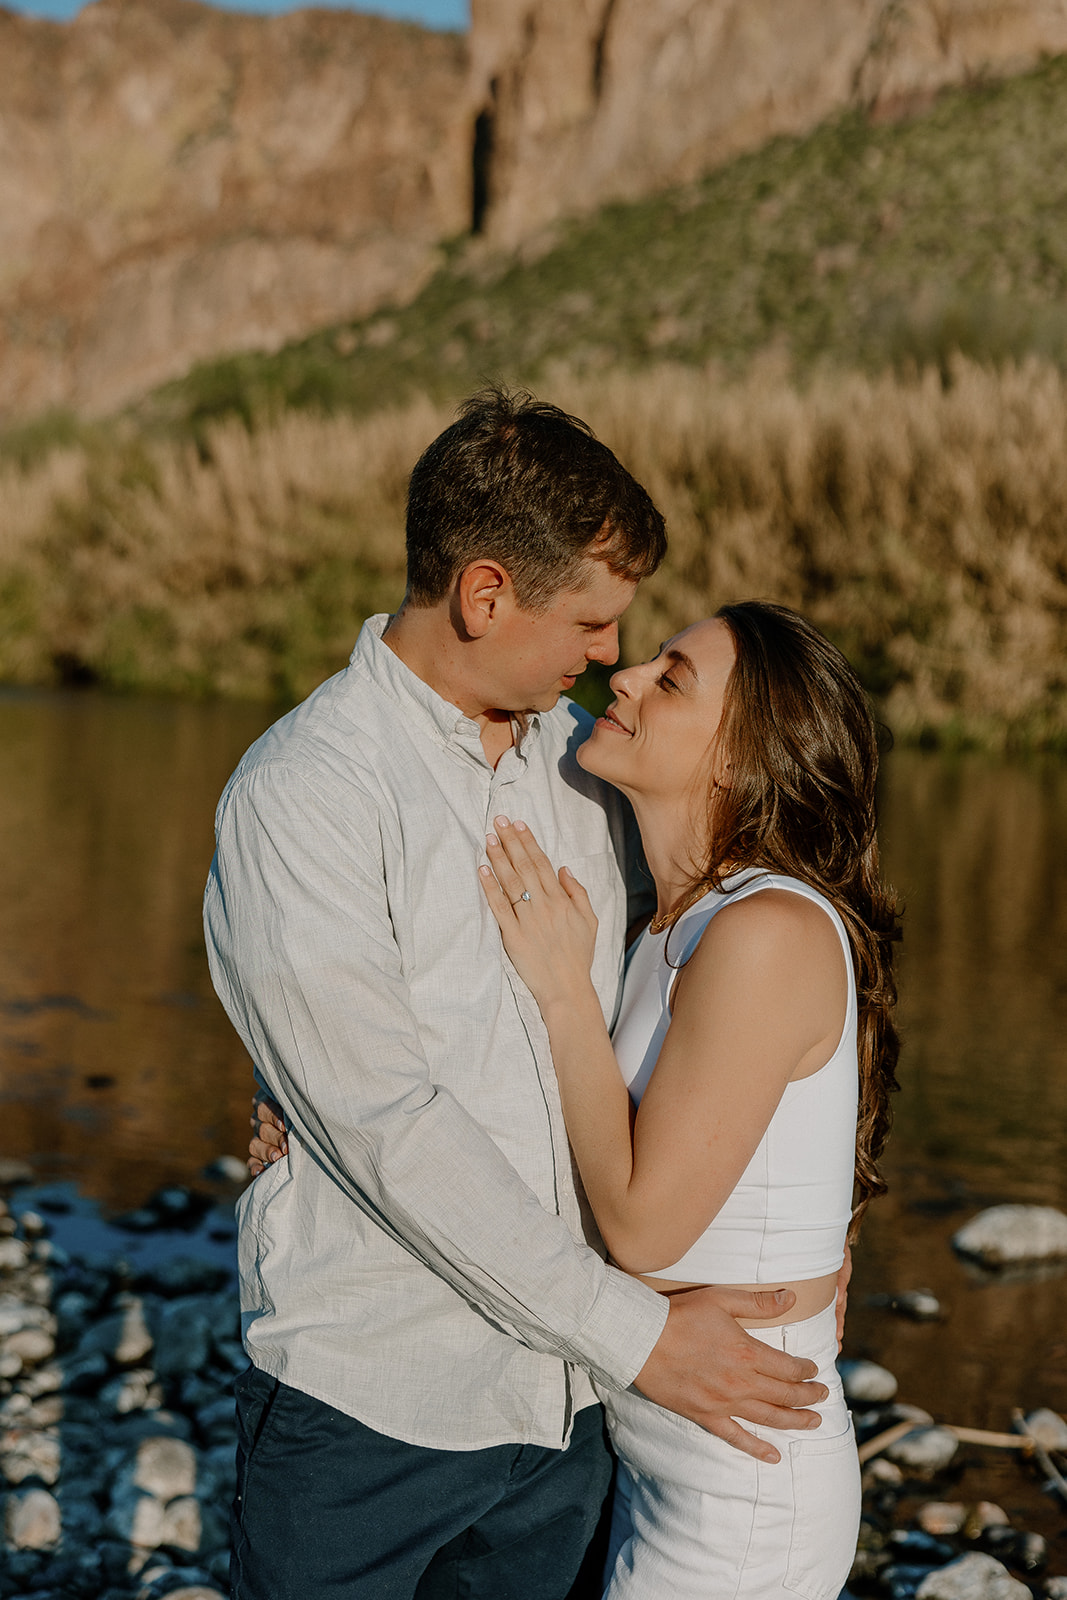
304, 959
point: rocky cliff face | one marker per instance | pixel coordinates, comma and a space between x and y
582, 101
176, 182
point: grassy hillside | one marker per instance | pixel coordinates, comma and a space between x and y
860, 246
922, 527
775, 351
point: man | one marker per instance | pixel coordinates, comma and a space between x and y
421, 1310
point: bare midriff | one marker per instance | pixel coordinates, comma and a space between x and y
813, 1295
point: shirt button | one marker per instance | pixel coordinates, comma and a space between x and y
462, 725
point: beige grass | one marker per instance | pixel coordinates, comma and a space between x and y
924, 528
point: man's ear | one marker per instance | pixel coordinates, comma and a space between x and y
482, 590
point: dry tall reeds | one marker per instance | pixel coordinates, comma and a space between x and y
923, 527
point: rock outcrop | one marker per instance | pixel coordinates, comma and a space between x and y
584, 101
178, 181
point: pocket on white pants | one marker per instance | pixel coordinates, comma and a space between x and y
826, 1514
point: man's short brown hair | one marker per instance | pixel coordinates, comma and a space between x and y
520, 482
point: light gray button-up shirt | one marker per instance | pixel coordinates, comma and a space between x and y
418, 1260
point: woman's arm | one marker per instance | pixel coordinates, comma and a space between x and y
761, 1001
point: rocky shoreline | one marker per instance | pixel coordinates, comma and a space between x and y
117, 1440
116, 1418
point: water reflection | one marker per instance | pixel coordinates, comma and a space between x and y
112, 1041
110, 1035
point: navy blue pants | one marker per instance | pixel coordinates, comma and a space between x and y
327, 1509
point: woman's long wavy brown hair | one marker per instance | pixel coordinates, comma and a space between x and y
802, 748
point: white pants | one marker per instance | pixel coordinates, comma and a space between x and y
695, 1519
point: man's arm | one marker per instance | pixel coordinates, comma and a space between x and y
320, 999
303, 955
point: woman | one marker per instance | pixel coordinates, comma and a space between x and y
720, 1131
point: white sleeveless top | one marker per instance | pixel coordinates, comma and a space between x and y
788, 1216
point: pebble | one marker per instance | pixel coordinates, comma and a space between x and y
921, 1305
134, 1391
924, 1452
1056, 1588
1004, 1235
29, 1453
1048, 1428
973, 1577
866, 1383
123, 1336
165, 1467
227, 1169
13, 1171
117, 1428
134, 1370
982, 1517
32, 1520
14, 1253
941, 1517
883, 1474
31, 1345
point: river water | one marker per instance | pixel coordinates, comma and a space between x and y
120, 1071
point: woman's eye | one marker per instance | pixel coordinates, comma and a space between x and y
665, 681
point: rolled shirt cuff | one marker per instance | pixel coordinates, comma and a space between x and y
620, 1332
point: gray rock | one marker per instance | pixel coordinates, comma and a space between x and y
83, 1374
227, 1169
921, 1305
866, 1383
192, 1583
983, 1516
137, 1517
38, 1287
17, 1313
182, 1525
972, 1577
233, 1353
194, 1591
133, 1391
924, 1452
903, 1412
46, 1380
1004, 1235
13, 1172
1056, 1588
14, 1253
29, 1453
32, 1520
31, 1345
165, 1467
46, 1412
882, 1474
1048, 1428
33, 1225
940, 1517
123, 1336
183, 1338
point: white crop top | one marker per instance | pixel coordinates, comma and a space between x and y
788, 1216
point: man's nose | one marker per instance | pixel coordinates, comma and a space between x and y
605, 647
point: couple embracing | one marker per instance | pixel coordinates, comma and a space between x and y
417, 919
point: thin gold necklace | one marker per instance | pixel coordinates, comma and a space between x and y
691, 896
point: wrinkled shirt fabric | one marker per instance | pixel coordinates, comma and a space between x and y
420, 1259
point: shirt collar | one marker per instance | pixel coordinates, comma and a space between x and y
447, 721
